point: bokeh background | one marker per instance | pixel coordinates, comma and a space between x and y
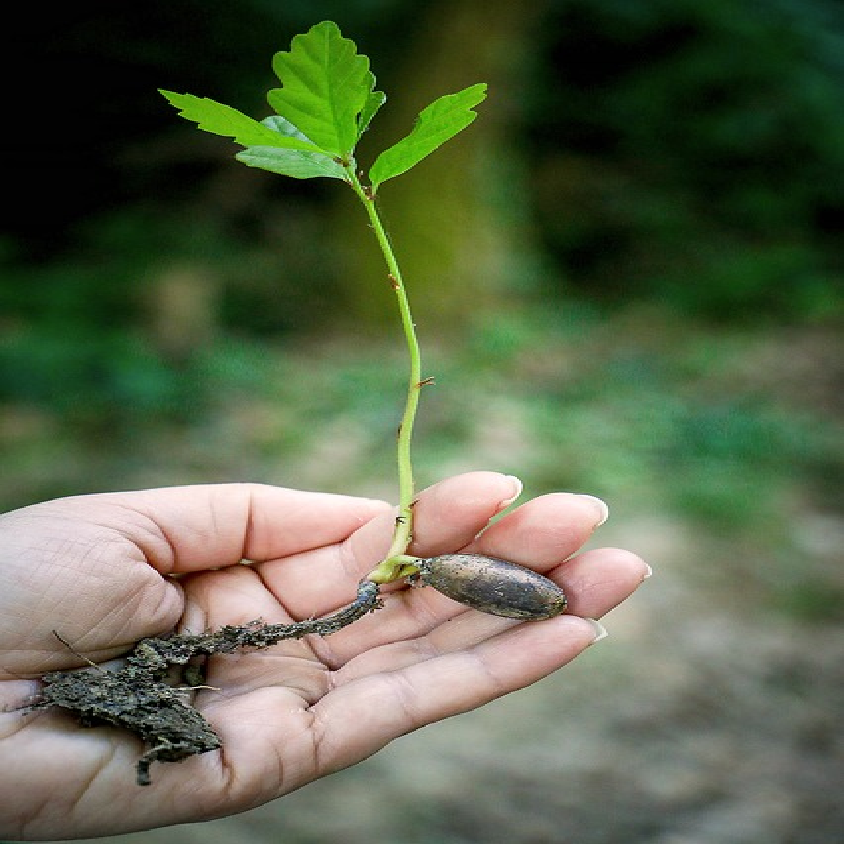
625, 278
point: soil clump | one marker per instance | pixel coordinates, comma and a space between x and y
140, 698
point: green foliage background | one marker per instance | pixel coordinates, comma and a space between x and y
663, 164
626, 275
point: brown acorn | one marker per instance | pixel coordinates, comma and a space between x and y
493, 586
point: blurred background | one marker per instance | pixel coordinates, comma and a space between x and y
625, 277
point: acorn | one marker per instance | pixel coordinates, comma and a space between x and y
492, 585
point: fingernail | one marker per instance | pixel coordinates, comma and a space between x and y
601, 506
647, 574
599, 629
517, 488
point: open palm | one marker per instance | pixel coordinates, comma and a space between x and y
106, 570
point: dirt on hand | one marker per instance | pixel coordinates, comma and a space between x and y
139, 698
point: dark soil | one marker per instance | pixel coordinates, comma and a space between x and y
139, 697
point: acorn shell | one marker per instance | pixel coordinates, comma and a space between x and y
494, 586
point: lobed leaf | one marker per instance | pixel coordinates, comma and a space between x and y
325, 86
437, 123
220, 119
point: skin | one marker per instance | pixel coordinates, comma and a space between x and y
108, 569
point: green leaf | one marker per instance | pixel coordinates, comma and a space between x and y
300, 164
224, 120
325, 85
437, 123
297, 163
375, 101
284, 127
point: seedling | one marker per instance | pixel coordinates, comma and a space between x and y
327, 100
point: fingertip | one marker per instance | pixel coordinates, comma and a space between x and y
476, 487
600, 579
599, 631
514, 496
593, 509
599, 505
529, 651
545, 530
450, 513
622, 562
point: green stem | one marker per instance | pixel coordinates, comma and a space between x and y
395, 563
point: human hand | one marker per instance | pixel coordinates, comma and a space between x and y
105, 570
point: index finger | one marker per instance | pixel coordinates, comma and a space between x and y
200, 527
